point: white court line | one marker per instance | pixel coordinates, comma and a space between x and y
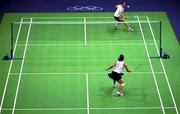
105, 44
154, 77
85, 34
80, 22
10, 66
77, 17
164, 70
79, 73
87, 92
73, 109
22, 64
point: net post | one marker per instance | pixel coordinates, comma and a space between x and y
12, 45
160, 40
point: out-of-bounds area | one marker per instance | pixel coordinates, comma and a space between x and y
60, 60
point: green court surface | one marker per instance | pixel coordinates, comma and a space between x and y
60, 68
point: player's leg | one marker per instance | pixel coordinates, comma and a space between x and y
112, 77
121, 82
119, 91
118, 22
126, 24
114, 82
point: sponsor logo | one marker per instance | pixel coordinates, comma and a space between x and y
84, 8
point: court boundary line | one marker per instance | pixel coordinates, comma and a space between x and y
69, 109
10, 67
164, 70
22, 64
152, 69
78, 17
87, 92
79, 22
100, 44
79, 73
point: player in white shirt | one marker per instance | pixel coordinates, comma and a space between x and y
120, 17
116, 74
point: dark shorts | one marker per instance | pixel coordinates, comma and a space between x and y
115, 76
117, 19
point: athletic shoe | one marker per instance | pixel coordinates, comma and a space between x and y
130, 30
119, 94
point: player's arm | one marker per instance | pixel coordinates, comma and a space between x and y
126, 67
110, 66
116, 6
121, 14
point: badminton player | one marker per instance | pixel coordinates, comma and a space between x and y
116, 74
120, 17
